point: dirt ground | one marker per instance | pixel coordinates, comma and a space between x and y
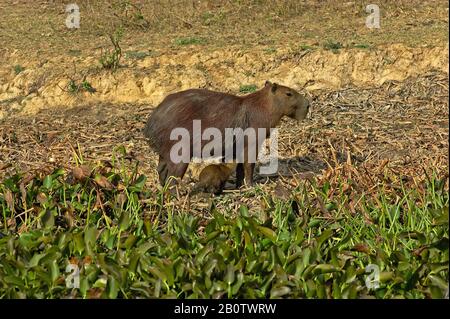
377, 94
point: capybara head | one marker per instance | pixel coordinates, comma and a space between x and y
288, 101
213, 177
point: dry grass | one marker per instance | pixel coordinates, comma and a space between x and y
404, 125
37, 29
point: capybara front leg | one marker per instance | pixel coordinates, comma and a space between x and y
249, 169
162, 171
167, 169
176, 170
239, 174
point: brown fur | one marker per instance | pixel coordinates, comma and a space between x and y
213, 177
261, 109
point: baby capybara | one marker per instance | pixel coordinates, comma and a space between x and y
213, 177
262, 109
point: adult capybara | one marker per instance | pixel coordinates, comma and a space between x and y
177, 113
213, 177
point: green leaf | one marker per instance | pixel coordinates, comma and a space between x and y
100, 283
324, 236
48, 219
90, 236
47, 183
243, 211
34, 261
211, 236
386, 276
142, 249
324, 269
202, 254
280, 254
124, 221
279, 292
443, 219
84, 286
314, 222
238, 283
110, 242
306, 257
139, 184
134, 259
155, 271
130, 241
267, 232
248, 242
58, 172
230, 274
14, 280
113, 288
210, 265
79, 243
54, 270
438, 281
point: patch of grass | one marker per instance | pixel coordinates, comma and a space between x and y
305, 47
137, 55
249, 88
362, 46
189, 41
74, 52
129, 241
110, 59
73, 87
270, 50
87, 87
333, 46
212, 18
18, 69
130, 14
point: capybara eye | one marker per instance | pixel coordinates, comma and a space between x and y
289, 94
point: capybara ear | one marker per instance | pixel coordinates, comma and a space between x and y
268, 83
274, 87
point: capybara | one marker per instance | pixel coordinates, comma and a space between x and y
213, 177
262, 109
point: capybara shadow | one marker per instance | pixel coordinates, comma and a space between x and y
287, 167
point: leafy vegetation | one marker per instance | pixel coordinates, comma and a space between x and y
110, 59
18, 69
250, 88
332, 46
129, 241
189, 41
74, 87
130, 14
211, 18
362, 46
270, 50
305, 47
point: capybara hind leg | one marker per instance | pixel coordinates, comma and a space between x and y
239, 174
249, 168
